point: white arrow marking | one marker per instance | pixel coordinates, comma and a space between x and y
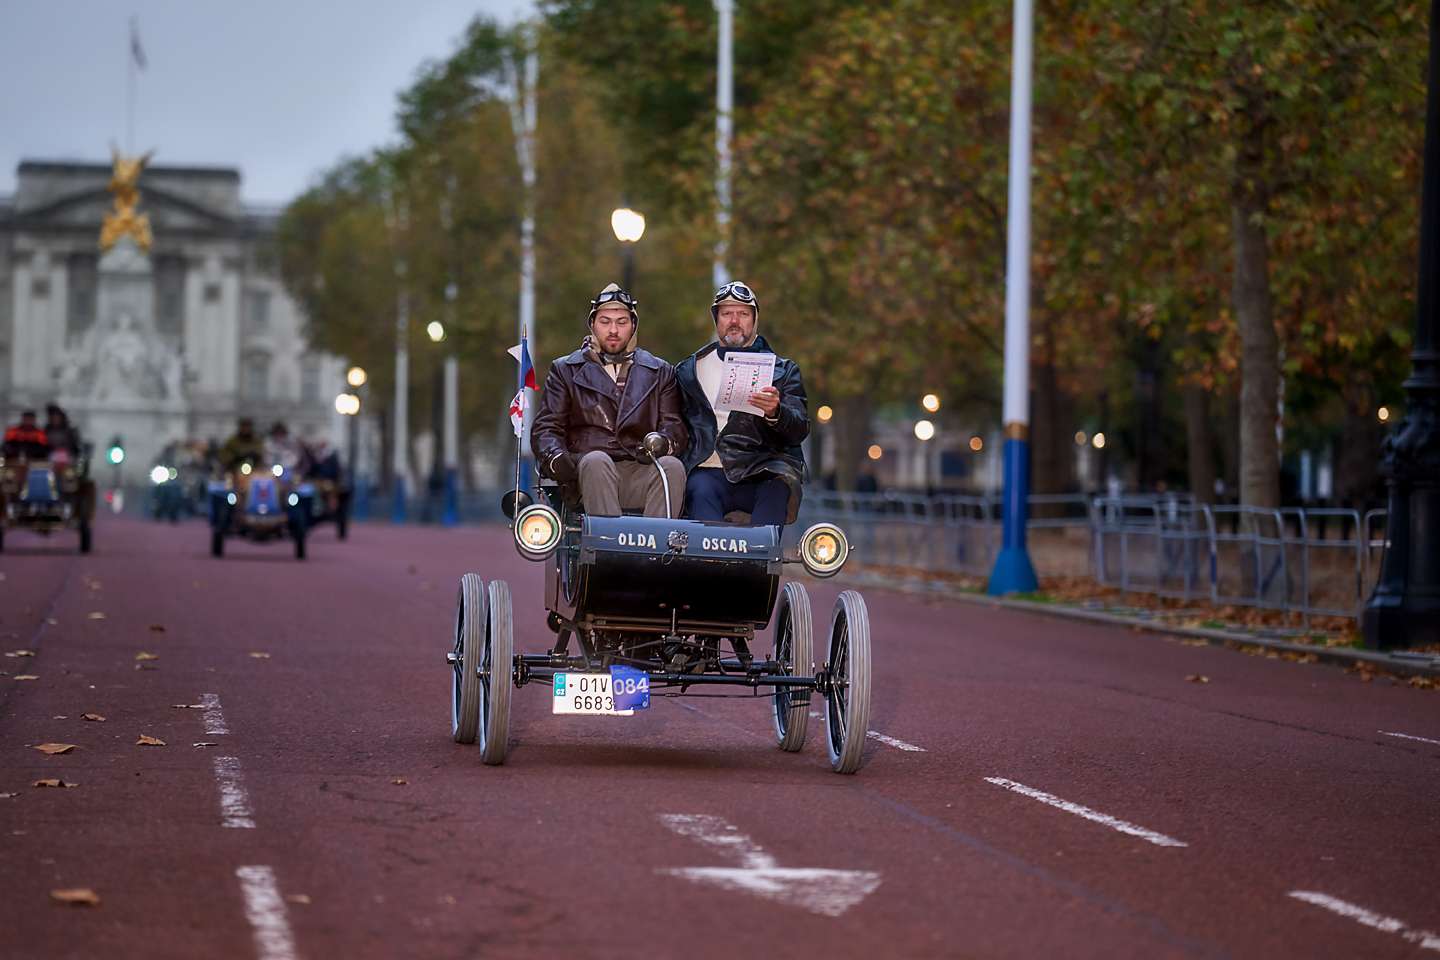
826, 892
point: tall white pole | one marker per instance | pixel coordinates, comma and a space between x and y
1013, 570
399, 459
724, 105
523, 113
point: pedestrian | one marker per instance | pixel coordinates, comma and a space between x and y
740, 461
597, 408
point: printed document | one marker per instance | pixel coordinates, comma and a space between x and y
744, 374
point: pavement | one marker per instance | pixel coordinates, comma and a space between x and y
1033, 786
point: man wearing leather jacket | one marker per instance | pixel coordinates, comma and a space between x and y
598, 407
739, 461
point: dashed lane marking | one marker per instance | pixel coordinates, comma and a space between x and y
1406, 736
892, 742
1425, 939
266, 912
234, 801
826, 892
214, 718
1114, 823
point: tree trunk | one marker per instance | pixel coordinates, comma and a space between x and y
1199, 443
851, 435
1259, 346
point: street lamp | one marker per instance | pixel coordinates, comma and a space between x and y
356, 376
930, 402
824, 413
629, 227
435, 330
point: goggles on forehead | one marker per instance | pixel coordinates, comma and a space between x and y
614, 296
735, 290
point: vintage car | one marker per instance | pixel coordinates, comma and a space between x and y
331, 504
259, 503
47, 495
662, 608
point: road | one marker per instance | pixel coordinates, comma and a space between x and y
1033, 787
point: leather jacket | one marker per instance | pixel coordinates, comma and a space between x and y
580, 411
749, 445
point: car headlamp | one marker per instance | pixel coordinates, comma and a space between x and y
824, 549
277, 470
537, 531
159, 475
245, 469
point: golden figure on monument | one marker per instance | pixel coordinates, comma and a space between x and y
125, 219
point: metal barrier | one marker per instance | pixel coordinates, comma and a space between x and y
1307, 561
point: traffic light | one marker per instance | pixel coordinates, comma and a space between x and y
116, 453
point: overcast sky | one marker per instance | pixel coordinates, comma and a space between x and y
277, 88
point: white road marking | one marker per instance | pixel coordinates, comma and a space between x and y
214, 719
826, 892
891, 741
1426, 939
1406, 736
265, 910
1114, 823
234, 801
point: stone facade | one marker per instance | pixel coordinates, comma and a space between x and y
172, 345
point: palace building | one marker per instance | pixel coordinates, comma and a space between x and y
171, 343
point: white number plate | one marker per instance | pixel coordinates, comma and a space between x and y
586, 693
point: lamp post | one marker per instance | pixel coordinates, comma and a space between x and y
1013, 571
629, 227
435, 483
450, 512
724, 105
1404, 610
356, 377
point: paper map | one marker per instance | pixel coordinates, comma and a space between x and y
744, 374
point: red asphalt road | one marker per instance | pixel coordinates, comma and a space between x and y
1275, 775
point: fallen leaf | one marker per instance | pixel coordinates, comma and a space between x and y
449, 899
204, 743
399, 781
149, 741
258, 655
60, 716
25, 676
76, 896
1198, 678
20, 653
95, 615
300, 898
157, 628
52, 621
147, 655
53, 748
8, 796
52, 782
188, 706
92, 716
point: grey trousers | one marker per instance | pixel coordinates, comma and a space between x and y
609, 486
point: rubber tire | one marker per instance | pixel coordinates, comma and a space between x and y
217, 543
795, 632
847, 705
465, 673
85, 537
342, 523
2, 539
297, 533
497, 668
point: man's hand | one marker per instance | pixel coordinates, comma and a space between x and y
565, 468
768, 400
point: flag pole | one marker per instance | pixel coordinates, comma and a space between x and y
130, 90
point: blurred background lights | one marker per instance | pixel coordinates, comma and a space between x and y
1098, 441
924, 429
875, 452
930, 402
824, 413
976, 443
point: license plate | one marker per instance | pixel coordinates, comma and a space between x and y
590, 694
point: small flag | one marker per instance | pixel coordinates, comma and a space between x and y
518, 405
137, 52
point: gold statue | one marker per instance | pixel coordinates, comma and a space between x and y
124, 184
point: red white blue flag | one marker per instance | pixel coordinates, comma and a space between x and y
521, 402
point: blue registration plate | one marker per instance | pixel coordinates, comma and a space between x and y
632, 688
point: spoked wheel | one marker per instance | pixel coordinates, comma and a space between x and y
795, 652
496, 666
847, 702
469, 644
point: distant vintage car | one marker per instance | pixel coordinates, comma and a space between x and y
662, 608
47, 495
259, 503
331, 504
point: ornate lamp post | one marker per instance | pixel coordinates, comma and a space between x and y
629, 227
1404, 610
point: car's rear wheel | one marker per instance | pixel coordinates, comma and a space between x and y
217, 543
84, 536
795, 652
342, 523
300, 546
847, 700
496, 666
469, 641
